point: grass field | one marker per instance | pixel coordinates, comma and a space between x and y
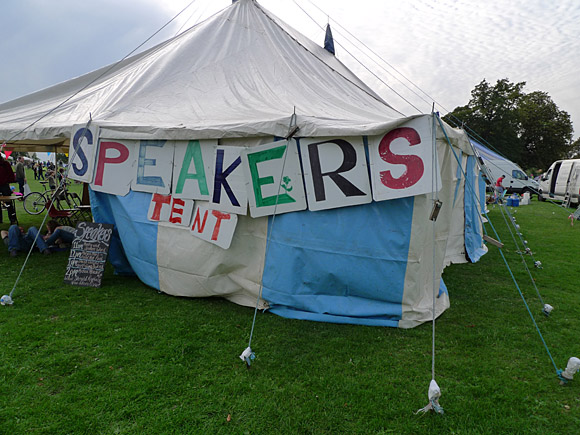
126, 359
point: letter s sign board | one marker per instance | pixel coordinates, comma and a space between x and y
402, 161
82, 152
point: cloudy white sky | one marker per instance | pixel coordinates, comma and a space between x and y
444, 47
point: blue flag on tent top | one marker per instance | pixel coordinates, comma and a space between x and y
328, 41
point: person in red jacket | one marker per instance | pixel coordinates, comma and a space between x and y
499, 185
499, 188
7, 177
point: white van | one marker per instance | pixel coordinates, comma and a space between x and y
515, 181
563, 176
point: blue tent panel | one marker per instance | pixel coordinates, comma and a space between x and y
138, 234
473, 237
344, 265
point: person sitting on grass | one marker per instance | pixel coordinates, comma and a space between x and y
17, 240
59, 234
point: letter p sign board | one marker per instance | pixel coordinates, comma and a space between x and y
82, 150
402, 161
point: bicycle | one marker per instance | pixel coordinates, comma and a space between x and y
35, 202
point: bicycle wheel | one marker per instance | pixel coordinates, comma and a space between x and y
34, 203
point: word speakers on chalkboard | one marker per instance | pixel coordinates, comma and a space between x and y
88, 254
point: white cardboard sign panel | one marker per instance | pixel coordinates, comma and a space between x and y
228, 186
402, 161
181, 211
193, 169
82, 152
165, 208
335, 172
213, 226
115, 166
273, 179
154, 168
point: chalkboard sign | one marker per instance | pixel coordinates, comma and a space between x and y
88, 254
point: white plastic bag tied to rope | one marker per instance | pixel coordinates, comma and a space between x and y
571, 368
248, 356
434, 395
547, 309
6, 300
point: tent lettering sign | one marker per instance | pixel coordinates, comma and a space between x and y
184, 157
268, 177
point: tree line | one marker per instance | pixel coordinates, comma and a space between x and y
527, 128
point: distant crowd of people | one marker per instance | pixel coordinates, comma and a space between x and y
17, 174
18, 170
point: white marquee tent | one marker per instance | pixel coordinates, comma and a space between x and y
235, 81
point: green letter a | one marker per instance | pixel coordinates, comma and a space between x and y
193, 152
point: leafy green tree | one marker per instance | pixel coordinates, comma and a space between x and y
492, 114
574, 152
528, 129
545, 130
61, 157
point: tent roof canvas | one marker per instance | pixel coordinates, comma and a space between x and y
241, 73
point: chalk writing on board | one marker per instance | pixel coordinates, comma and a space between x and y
86, 262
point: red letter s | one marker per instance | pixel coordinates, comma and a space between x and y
413, 163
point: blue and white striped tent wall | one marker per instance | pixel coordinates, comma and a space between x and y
369, 264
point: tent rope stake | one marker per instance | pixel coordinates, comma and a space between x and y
434, 392
572, 367
573, 364
547, 308
248, 355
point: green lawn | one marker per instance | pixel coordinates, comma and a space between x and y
126, 359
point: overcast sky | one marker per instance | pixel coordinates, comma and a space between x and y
444, 47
